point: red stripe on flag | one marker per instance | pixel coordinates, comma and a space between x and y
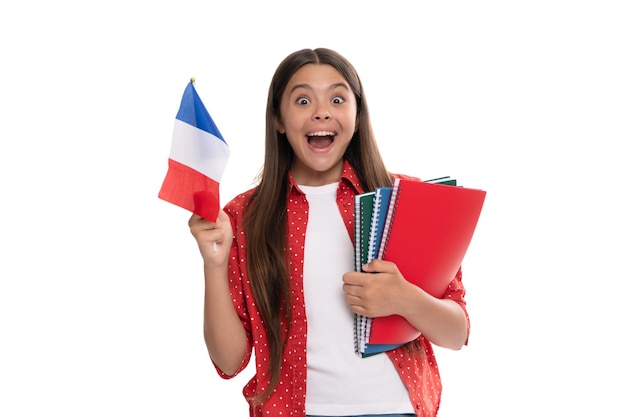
191, 190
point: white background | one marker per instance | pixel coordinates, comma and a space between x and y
101, 283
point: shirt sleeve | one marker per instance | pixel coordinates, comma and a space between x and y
237, 278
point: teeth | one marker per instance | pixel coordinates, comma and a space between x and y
321, 134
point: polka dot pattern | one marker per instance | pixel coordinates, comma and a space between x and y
419, 371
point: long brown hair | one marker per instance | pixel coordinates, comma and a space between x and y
265, 219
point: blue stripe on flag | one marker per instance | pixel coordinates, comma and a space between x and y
193, 112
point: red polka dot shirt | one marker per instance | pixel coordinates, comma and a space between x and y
418, 371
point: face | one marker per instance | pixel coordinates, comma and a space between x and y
319, 112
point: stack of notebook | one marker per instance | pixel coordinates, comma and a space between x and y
425, 228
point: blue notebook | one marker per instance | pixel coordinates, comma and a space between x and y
382, 196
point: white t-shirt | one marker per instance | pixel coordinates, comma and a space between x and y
339, 382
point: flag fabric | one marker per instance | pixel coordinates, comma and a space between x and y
197, 159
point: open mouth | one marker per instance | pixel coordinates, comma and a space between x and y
321, 139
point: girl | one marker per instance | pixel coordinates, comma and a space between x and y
278, 264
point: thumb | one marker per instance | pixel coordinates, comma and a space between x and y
369, 267
377, 265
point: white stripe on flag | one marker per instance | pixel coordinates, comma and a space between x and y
199, 150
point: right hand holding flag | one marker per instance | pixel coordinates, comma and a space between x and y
214, 238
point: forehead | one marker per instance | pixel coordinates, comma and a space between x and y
316, 76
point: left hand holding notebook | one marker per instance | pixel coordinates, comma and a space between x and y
380, 290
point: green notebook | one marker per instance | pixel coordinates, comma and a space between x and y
363, 209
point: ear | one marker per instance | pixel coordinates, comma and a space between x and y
279, 126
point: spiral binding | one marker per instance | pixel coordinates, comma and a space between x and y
357, 234
361, 241
371, 245
390, 216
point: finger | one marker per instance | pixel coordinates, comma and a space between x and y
378, 265
198, 221
348, 278
355, 279
193, 219
354, 301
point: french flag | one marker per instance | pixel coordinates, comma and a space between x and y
197, 159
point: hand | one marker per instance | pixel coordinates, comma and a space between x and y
214, 239
380, 290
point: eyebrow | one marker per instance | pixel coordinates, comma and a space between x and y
308, 87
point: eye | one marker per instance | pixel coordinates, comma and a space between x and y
302, 100
337, 100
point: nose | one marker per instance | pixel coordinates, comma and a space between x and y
322, 113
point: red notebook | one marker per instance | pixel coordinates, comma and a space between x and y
427, 232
